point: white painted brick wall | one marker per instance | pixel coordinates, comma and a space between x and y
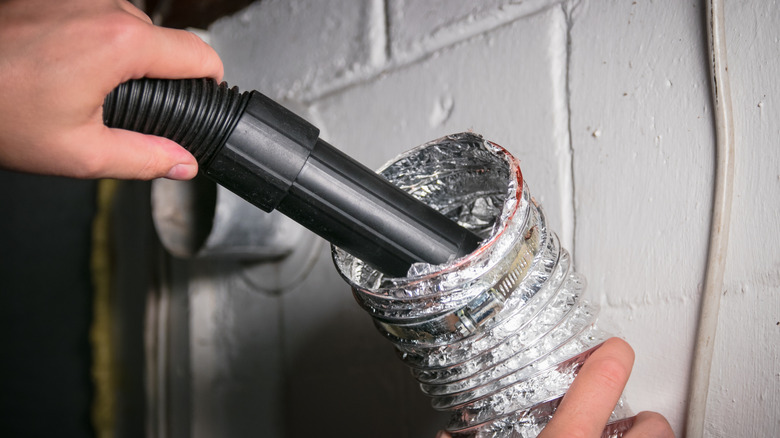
607, 106
326, 42
643, 156
518, 102
745, 383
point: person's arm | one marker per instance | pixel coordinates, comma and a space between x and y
586, 407
58, 61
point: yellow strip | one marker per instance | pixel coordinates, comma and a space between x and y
103, 357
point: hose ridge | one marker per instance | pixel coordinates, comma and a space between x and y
199, 114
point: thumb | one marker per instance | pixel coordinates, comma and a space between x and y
130, 155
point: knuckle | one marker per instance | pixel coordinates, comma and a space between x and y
611, 372
122, 29
92, 166
653, 424
150, 169
203, 53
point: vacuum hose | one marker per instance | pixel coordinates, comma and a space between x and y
274, 159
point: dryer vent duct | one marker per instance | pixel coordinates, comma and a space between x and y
495, 337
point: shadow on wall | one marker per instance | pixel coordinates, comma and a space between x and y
306, 363
355, 388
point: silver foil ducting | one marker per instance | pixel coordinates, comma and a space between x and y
495, 337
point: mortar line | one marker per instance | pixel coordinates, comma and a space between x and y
398, 63
568, 7
376, 34
388, 41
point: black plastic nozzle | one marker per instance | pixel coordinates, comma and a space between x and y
274, 159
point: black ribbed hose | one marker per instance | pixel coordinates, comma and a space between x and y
274, 159
196, 113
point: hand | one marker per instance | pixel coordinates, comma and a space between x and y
595, 392
586, 407
58, 61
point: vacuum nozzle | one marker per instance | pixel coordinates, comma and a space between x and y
274, 159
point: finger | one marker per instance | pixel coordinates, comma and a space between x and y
650, 425
175, 54
122, 154
442, 434
132, 9
592, 397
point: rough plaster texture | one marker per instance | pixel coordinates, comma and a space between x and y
325, 42
607, 106
518, 103
745, 381
643, 171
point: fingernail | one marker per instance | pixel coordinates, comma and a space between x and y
182, 171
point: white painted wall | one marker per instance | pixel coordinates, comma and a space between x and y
607, 105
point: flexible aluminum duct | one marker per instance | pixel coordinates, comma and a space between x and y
495, 337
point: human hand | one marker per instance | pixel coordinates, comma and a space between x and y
58, 61
587, 405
